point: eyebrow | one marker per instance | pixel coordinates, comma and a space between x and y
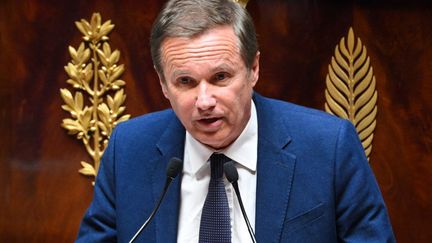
222, 67
178, 73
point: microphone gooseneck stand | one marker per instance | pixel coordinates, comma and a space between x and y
173, 169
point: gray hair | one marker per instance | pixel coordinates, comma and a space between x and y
190, 18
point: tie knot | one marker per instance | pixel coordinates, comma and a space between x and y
216, 164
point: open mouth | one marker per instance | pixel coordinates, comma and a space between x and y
210, 124
209, 120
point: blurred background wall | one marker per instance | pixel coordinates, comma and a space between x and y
42, 196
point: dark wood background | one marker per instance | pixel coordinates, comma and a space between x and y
42, 196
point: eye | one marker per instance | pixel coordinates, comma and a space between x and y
222, 76
184, 80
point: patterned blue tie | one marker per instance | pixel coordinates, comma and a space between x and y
215, 219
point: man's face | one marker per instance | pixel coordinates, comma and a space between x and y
208, 85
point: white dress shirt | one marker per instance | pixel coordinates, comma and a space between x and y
196, 178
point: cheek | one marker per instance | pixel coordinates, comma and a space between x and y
241, 104
182, 104
236, 106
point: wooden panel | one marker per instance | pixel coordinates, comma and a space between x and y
42, 197
400, 44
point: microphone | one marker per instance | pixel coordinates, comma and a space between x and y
232, 176
173, 169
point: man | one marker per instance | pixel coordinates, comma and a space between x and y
303, 174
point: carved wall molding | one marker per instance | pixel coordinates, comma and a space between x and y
351, 92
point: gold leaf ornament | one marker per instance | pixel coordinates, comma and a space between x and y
94, 75
243, 3
351, 88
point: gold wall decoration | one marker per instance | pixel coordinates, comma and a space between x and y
351, 91
243, 3
96, 106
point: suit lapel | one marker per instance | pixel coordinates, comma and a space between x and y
275, 173
170, 145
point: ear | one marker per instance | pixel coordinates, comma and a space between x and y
162, 83
255, 69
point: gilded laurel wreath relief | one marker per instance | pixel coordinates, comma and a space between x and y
243, 3
95, 101
351, 92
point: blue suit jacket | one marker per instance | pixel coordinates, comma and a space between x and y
314, 183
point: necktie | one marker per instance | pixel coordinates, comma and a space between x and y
215, 219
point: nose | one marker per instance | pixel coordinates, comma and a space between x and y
205, 99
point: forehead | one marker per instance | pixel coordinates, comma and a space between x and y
214, 44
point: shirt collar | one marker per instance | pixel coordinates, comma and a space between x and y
243, 150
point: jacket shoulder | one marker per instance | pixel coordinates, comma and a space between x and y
145, 126
301, 119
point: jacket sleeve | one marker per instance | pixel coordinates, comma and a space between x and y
360, 210
99, 222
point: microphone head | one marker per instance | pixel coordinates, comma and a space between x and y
231, 171
174, 167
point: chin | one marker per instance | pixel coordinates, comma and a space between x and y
218, 144
218, 140
209, 141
